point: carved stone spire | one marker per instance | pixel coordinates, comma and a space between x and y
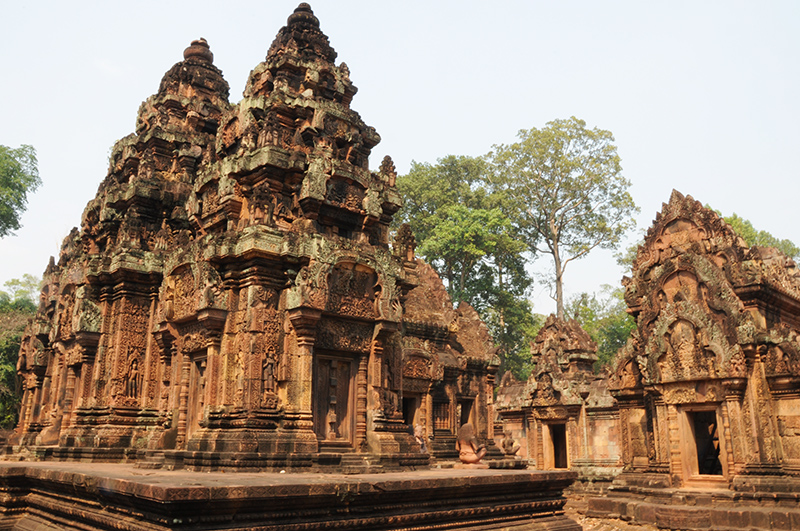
303, 36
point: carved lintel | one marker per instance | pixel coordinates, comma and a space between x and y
384, 328
212, 318
734, 387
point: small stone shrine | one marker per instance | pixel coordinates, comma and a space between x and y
563, 416
232, 298
708, 385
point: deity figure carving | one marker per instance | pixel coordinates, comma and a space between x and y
470, 451
509, 445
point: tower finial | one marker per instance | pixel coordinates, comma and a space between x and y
199, 49
301, 14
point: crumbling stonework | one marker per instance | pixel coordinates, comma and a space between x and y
708, 386
232, 298
563, 415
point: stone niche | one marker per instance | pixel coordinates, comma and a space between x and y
563, 417
232, 299
708, 385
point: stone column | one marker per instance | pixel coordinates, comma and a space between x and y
304, 321
69, 396
675, 457
183, 400
733, 429
361, 403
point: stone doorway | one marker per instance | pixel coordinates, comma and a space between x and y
411, 410
334, 400
555, 446
704, 430
466, 412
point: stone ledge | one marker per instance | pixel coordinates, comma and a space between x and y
105, 496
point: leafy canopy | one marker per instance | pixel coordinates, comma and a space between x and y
563, 186
465, 234
19, 175
16, 309
761, 238
605, 319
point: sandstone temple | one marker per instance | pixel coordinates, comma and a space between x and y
234, 300
697, 426
232, 297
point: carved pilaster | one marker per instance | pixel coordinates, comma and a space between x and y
304, 321
183, 401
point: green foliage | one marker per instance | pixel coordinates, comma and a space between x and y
604, 318
513, 330
459, 245
428, 189
563, 187
16, 309
25, 289
761, 238
465, 235
19, 176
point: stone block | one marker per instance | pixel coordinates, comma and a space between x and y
683, 517
760, 519
645, 513
781, 520
738, 519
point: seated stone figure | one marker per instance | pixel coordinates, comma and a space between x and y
419, 435
469, 450
510, 446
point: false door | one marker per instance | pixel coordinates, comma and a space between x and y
334, 393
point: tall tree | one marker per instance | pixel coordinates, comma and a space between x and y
470, 241
19, 176
25, 288
563, 186
428, 189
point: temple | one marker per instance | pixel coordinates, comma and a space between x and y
708, 385
232, 298
696, 425
564, 416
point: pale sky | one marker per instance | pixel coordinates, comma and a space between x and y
703, 97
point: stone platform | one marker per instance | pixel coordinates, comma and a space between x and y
752, 502
72, 496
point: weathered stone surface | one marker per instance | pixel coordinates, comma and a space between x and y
564, 415
40, 495
232, 298
708, 385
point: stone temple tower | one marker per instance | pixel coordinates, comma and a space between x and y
232, 298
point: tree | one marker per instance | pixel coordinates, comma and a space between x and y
564, 188
604, 318
761, 238
430, 188
15, 312
19, 176
465, 235
25, 289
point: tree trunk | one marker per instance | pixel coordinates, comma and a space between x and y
559, 284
